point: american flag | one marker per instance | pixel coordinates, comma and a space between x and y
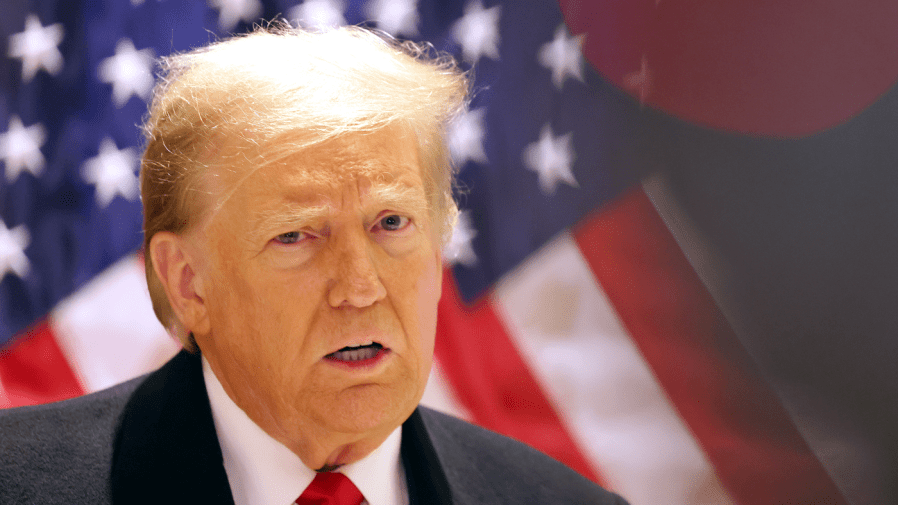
609, 153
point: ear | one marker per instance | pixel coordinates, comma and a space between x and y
177, 272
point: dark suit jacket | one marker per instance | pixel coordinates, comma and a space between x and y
152, 440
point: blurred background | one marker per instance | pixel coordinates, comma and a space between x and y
675, 265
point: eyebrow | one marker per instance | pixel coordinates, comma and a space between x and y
397, 196
292, 213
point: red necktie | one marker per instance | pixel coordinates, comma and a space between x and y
330, 488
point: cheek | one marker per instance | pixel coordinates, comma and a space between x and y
265, 314
235, 301
429, 289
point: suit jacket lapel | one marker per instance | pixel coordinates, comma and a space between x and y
427, 483
166, 449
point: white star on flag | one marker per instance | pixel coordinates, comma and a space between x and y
466, 137
318, 13
563, 56
112, 171
36, 47
459, 249
478, 31
551, 158
231, 12
20, 149
396, 17
130, 72
12, 250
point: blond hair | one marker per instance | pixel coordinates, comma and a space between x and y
282, 89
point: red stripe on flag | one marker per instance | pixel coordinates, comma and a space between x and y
759, 454
34, 370
493, 382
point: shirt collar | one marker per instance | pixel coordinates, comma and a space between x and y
262, 470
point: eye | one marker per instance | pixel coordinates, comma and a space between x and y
393, 222
291, 237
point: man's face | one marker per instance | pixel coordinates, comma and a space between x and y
330, 249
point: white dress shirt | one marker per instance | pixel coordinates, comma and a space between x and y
262, 471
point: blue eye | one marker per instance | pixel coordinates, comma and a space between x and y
393, 222
289, 237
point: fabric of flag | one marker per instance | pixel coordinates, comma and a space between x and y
675, 264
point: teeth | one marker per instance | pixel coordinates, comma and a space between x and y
356, 354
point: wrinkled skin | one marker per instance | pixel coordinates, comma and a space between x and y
333, 246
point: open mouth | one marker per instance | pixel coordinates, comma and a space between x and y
357, 354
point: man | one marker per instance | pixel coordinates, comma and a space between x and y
297, 191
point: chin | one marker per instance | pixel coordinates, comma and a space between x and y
370, 409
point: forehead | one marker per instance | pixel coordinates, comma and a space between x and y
385, 158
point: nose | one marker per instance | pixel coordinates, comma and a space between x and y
355, 281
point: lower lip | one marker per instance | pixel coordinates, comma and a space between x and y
362, 363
